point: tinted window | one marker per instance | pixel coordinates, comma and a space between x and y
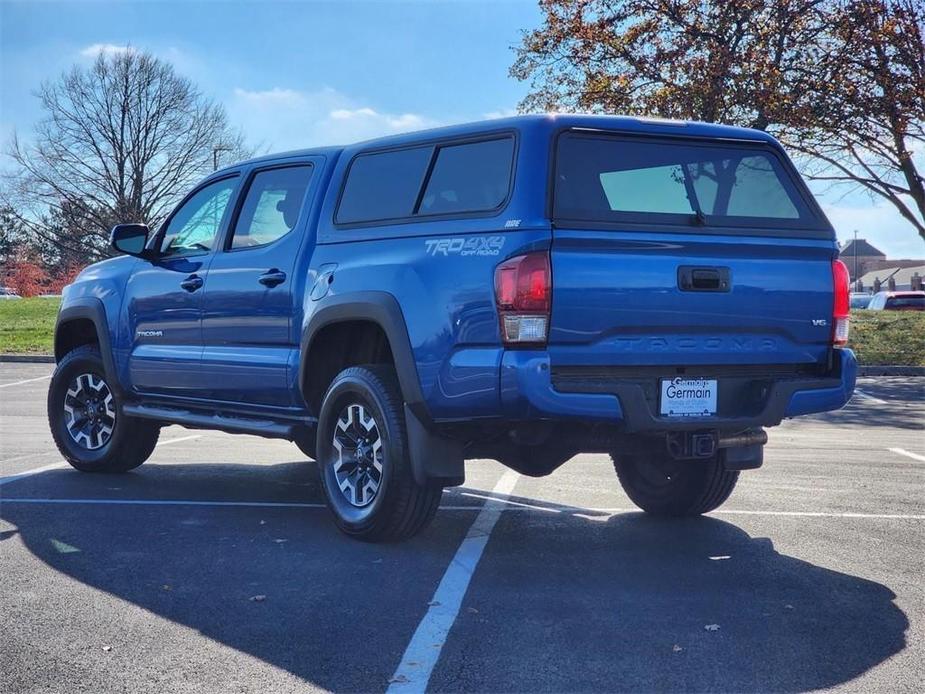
609, 179
906, 302
383, 185
469, 177
271, 208
193, 227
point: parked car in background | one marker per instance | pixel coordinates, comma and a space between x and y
897, 301
7, 293
860, 300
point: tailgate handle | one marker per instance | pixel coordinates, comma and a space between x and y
692, 278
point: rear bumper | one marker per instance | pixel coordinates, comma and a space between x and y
528, 392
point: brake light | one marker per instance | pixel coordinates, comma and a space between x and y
523, 291
841, 311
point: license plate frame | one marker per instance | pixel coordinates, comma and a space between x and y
688, 397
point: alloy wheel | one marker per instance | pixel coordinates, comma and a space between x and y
358, 455
90, 411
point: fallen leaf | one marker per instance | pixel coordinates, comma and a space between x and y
258, 598
434, 603
788, 607
398, 679
676, 648
720, 557
107, 648
712, 627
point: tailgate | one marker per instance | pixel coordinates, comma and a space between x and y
630, 299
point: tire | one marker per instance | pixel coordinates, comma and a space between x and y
363, 457
663, 486
111, 441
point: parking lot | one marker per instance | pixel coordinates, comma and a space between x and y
214, 567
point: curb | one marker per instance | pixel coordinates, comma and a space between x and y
862, 370
891, 371
28, 358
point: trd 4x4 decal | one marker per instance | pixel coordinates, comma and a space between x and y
473, 245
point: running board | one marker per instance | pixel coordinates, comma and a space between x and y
267, 428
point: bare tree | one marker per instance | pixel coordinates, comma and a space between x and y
841, 81
120, 141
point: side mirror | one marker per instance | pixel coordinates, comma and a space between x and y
131, 239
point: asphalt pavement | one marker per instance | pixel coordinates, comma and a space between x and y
215, 567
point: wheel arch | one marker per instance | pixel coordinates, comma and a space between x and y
374, 308
84, 322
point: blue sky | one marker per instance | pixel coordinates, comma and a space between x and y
295, 74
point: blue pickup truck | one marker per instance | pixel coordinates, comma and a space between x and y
522, 289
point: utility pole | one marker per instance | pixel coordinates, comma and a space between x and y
856, 277
225, 148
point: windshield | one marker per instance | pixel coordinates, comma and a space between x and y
607, 178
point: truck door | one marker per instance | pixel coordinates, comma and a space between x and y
163, 297
249, 351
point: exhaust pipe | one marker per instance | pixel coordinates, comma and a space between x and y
749, 437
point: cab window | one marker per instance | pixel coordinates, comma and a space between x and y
194, 227
272, 206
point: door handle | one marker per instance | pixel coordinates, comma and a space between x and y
272, 277
192, 283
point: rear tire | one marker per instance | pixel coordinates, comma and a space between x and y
86, 418
663, 486
363, 457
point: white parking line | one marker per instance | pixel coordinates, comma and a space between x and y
25, 457
421, 655
29, 473
908, 454
871, 398
587, 513
55, 466
28, 380
160, 502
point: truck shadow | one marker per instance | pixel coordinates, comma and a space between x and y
564, 599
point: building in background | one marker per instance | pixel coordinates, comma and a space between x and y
868, 263
893, 279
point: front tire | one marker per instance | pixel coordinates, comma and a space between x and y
663, 486
363, 455
86, 418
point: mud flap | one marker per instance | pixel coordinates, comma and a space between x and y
743, 457
433, 458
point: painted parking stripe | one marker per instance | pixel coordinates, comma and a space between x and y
870, 398
61, 464
589, 513
908, 454
28, 380
187, 502
29, 473
421, 655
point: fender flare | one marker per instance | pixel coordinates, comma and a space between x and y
92, 309
432, 456
378, 307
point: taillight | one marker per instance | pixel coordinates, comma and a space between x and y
841, 311
523, 291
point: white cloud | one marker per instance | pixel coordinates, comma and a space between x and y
109, 48
281, 118
500, 113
